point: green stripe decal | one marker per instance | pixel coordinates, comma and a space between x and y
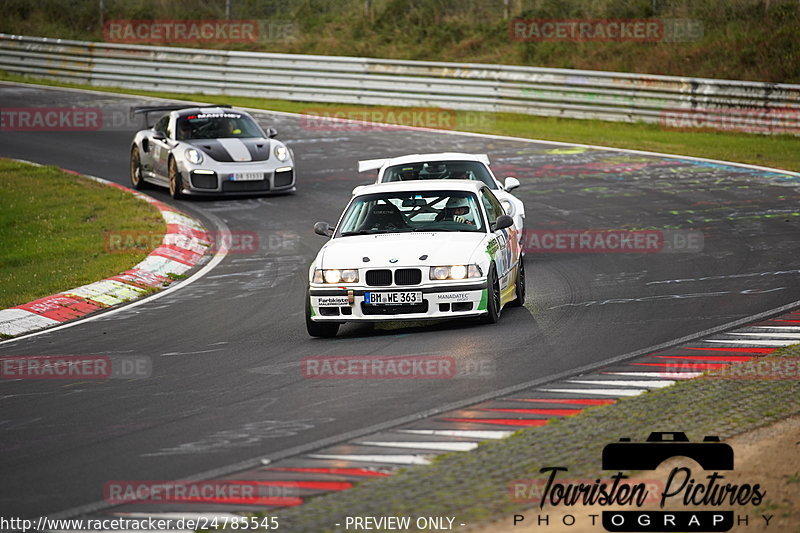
482, 303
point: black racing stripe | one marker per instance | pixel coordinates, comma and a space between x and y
258, 148
213, 149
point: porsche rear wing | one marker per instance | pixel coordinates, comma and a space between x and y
147, 110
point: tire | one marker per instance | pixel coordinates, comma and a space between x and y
137, 181
175, 180
519, 291
492, 298
319, 329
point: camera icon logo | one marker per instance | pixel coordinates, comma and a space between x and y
711, 454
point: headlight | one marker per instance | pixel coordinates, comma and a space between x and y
281, 153
458, 272
507, 206
455, 272
193, 156
334, 276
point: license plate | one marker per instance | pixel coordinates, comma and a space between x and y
393, 298
247, 176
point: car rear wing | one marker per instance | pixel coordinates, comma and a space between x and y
148, 110
370, 164
374, 164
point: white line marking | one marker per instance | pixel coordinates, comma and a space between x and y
601, 392
677, 374
471, 434
391, 459
754, 342
649, 384
14, 321
442, 446
775, 335
782, 328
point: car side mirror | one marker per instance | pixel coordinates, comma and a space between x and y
160, 136
502, 222
511, 183
272, 132
323, 228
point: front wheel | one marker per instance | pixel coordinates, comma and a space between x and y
175, 180
519, 290
492, 298
319, 329
137, 181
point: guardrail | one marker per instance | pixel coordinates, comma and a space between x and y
671, 101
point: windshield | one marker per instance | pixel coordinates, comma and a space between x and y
412, 211
216, 126
434, 170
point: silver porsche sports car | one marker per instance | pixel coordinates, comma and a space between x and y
209, 150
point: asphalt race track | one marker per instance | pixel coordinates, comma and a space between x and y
226, 350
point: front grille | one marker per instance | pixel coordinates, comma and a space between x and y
367, 309
329, 311
283, 178
245, 186
379, 278
407, 276
204, 181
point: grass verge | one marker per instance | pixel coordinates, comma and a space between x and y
54, 226
475, 486
778, 151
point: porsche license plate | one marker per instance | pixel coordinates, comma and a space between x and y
393, 298
247, 176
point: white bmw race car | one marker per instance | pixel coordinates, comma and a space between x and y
209, 150
449, 165
415, 250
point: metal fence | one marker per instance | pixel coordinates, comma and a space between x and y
671, 101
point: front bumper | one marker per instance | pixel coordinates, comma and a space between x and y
215, 178
340, 304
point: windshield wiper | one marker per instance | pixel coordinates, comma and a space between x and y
436, 229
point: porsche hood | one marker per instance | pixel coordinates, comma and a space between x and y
234, 150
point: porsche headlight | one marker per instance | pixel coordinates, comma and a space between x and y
334, 276
508, 207
455, 272
281, 152
193, 156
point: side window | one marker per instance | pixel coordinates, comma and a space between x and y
170, 129
492, 207
161, 125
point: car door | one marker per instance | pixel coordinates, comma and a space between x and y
160, 146
502, 246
